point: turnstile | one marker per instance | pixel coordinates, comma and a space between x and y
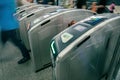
51, 24
30, 16
83, 51
27, 9
25, 13
25, 6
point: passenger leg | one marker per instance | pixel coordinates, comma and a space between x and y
4, 36
18, 43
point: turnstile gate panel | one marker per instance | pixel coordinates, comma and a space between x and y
24, 6
26, 21
41, 34
24, 14
83, 57
27, 12
27, 9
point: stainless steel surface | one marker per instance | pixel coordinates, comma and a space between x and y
26, 9
89, 56
24, 6
25, 22
41, 34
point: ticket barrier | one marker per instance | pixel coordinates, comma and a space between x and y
83, 51
30, 16
48, 26
25, 6
27, 9
21, 15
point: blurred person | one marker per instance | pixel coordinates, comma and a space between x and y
103, 9
23, 2
39, 1
9, 25
0, 40
80, 3
71, 23
30, 1
19, 3
50, 2
94, 6
112, 7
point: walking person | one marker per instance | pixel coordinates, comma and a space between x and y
95, 7
9, 25
23, 2
112, 7
80, 3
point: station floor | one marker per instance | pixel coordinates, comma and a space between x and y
10, 70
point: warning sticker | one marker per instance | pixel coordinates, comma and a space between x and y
65, 37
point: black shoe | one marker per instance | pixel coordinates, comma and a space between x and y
23, 60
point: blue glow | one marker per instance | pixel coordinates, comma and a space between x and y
52, 46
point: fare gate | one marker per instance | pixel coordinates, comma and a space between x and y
41, 33
27, 9
24, 6
80, 52
23, 14
26, 19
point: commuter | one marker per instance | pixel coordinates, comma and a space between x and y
0, 39
94, 7
112, 7
30, 1
50, 2
39, 1
71, 23
24, 2
9, 25
104, 9
19, 3
80, 3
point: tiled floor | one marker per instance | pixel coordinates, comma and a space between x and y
10, 70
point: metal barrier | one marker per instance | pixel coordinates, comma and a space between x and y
25, 21
23, 14
85, 50
24, 6
48, 26
26, 9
